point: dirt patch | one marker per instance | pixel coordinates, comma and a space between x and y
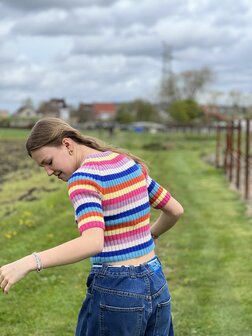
154, 146
12, 157
16, 165
29, 195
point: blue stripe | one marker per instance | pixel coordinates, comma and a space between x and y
125, 251
78, 175
131, 255
128, 213
86, 207
153, 188
128, 219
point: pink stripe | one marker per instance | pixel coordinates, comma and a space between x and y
77, 192
93, 224
124, 197
164, 201
133, 240
127, 202
103, 161
127, 234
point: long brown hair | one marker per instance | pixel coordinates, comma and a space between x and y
51, 132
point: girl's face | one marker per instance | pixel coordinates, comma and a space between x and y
56, 160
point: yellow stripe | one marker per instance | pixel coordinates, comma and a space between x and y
104, 158
128, 229
160, 198
90, 219
82, 186
124, 190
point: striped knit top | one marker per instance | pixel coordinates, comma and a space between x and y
112, 192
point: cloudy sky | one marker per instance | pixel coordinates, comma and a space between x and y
111, 50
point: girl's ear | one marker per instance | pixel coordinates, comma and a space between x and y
66, 142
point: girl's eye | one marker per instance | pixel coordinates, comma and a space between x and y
49, 163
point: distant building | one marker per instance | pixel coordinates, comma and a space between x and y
104, 111
26, 112
56, 108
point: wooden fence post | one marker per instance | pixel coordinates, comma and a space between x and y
238, 161
247, 159
226, 161
231, 161
217, 154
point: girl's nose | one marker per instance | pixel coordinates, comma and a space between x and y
49, 171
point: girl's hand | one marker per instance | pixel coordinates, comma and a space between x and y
15, 271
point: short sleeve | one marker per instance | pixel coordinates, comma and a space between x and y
85, 196
158, 195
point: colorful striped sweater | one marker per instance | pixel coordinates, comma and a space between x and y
112, 192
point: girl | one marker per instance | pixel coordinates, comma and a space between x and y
111, 192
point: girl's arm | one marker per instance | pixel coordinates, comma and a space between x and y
89, 244
169, 216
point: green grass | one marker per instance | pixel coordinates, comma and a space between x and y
13, 134
206, 256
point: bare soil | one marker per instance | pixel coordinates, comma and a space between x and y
12, 157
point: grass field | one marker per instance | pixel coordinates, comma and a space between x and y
206, 256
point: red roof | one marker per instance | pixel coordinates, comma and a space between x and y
104, 107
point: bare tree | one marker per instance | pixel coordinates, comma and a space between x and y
186, 85
236, 100
194, 81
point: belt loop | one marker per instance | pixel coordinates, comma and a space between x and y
132, 272
103, 270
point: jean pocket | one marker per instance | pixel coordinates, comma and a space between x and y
121, 320
90, 280
163, 319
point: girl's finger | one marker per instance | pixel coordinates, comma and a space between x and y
3, 283
7, 288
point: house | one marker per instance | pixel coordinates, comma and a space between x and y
26, 112
104, 111
55, 108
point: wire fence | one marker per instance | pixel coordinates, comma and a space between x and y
233, 154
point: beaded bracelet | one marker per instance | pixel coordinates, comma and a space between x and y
39, 265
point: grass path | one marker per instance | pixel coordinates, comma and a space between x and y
206, 256
208, 253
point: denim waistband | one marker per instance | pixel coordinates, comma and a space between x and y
153, 264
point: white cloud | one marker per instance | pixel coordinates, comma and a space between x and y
32, 5
111, 50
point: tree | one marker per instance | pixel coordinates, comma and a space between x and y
145, 111
184, 111
124, 114
138, 110
186, 85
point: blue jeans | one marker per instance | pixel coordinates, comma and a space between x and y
126, 301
